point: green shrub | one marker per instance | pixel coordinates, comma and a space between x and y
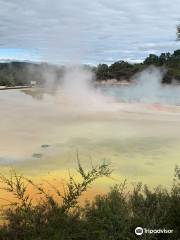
112, 216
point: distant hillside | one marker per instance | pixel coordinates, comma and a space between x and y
22, 73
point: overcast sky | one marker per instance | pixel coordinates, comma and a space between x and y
87, 31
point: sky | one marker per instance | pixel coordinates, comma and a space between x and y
79, 31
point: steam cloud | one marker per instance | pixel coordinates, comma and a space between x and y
78, 92
147, 88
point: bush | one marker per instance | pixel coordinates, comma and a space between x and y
112, 216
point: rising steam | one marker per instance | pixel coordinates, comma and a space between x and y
147, 88
79, 91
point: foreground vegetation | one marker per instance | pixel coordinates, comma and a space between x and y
112, 216
22, 73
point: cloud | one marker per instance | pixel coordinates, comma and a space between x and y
94, 31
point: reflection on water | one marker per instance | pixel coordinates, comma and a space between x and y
41, 132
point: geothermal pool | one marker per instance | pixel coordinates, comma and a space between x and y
41, 132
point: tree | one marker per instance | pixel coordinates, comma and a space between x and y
120, 69
178, 32
177, 53
152, 59
102, 72
164, 58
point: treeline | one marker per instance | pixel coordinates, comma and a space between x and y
22, 73
112, 216
122, 70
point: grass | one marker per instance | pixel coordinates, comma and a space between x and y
111, 216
